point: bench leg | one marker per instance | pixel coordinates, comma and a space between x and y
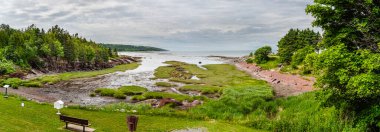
84, 127
66, 125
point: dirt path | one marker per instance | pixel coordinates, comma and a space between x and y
284, 84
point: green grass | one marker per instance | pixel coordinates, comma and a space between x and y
216, 77
204, 89
42, 117
165, 84
121, 92
250, 102
132, 90
161, 95
51, 79
273, 62
164, 72
105, 91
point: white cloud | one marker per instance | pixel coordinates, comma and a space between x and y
171, 24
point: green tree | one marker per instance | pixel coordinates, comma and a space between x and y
261, 54
349, 68
296, 39
299, 56
6, 66
354, 23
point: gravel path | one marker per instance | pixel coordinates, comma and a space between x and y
284, 84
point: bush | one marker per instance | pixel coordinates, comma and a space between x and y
299, 56
13, 82
250, 60
261, 54
6, 67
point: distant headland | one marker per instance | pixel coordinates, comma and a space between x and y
122, 47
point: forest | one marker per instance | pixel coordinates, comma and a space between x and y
52, 50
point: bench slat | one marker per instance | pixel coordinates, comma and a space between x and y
74, 120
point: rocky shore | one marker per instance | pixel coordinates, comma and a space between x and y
284, 84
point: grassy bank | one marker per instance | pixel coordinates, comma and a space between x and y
249, 102
42, 117
51, 79
272, 63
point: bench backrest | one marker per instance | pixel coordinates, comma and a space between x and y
73, 120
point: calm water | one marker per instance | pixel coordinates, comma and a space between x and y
142, 75
152, 60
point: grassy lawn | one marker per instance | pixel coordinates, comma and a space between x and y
42, 117
51, 79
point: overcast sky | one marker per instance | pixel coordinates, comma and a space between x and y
171, 24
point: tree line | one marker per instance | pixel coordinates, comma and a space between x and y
52, 50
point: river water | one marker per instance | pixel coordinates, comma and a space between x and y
142, 75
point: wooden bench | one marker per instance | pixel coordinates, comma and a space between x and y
73, 120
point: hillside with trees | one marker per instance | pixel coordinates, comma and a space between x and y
345, 60
121, 47
52, 50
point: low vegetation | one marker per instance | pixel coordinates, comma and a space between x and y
120, 93
203, 89
162, 95
165, 84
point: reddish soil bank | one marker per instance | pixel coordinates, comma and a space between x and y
283, 84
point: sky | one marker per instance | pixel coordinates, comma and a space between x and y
178, 25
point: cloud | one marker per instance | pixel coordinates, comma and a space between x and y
171, 24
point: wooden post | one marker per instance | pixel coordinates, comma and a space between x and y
132, 123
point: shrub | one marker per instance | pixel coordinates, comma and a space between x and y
6, 67
13, 82
250, 60
32, 84
299, 56
261, 54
